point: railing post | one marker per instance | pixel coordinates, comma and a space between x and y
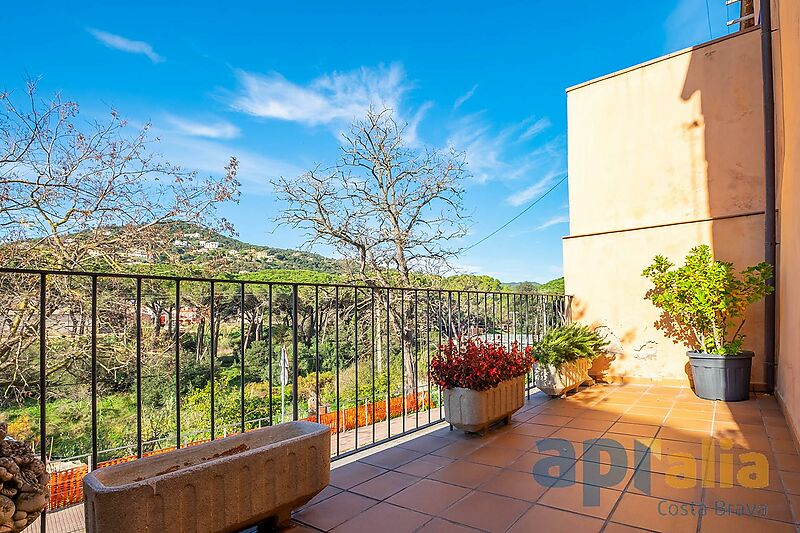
43, 382
295, 399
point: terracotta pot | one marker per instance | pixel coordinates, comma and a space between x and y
557, 381
475, 411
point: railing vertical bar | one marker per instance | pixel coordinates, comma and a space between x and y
295, 346
43, 382
428, 349
269, 350
372, 337
485, 317
213, 355
403, 358
416, 356
242, 348
439, 327
94, 372
529, 377
355, 356
139, 367
316, 348
336, 349
388, 366
178, 363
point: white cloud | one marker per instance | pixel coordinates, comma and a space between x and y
464, 97
118, 42
212, 130
560, 219
529, 193
535, 128
504, 154
339, 96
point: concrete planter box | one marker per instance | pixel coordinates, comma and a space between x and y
555, 382
219, 486
475, 411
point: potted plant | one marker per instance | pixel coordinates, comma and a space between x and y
482, 383
563, 357
702, 304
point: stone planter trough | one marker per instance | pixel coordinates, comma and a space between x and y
220, 486
558, 381
475, 411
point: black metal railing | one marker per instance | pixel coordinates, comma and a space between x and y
145, 363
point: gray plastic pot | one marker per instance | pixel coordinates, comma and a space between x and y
721, 377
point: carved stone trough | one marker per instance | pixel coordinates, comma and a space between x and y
474, 411
219, 486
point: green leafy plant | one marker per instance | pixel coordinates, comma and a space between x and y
703, 300
567, 344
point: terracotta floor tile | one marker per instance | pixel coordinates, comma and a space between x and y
425, 465
429, 496
335, 510
485, 511
688, 423
579, 498
745, 417
634, 417
391, 457
776, 503
593, 424
615, 455
783, 446
385, 518
600, 474
459, 449
683, 435
551, 420
791, 482
651, 513
519, 485
527, 461
351, 475
534, 430
425, 444
787, 462
437, 525
564, 410
464, 474
384, 485
639, 430
542, 518
494, 456
326, 493
667, 487
579, 436
613, 527
628, 442
727, 523
675, 447
516, 441
780, 434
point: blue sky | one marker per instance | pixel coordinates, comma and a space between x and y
275, 84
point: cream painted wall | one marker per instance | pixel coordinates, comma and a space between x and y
787, 89
674, 141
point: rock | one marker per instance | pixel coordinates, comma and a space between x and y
29, 501
7, 508
3, 430
19, 515
19, 525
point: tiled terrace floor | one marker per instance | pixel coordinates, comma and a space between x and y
449, 481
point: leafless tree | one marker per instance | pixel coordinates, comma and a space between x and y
389, 208
82, 195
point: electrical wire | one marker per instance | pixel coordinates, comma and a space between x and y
504, 226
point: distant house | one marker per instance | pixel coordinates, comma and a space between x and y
181, 244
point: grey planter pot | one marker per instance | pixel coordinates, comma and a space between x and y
721, 377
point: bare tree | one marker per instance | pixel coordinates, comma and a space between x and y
82, 195
389, 208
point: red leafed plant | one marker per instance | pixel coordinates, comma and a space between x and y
474, 364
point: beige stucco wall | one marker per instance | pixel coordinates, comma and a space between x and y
676, 143
787, 88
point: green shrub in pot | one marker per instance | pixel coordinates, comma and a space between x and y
702, 304
567, 344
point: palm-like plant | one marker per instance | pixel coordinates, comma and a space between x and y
567, 344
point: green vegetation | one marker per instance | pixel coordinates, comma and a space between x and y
702, 300
566, 344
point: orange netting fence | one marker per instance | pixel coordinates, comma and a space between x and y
66, 486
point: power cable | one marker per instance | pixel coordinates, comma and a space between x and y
498, 230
